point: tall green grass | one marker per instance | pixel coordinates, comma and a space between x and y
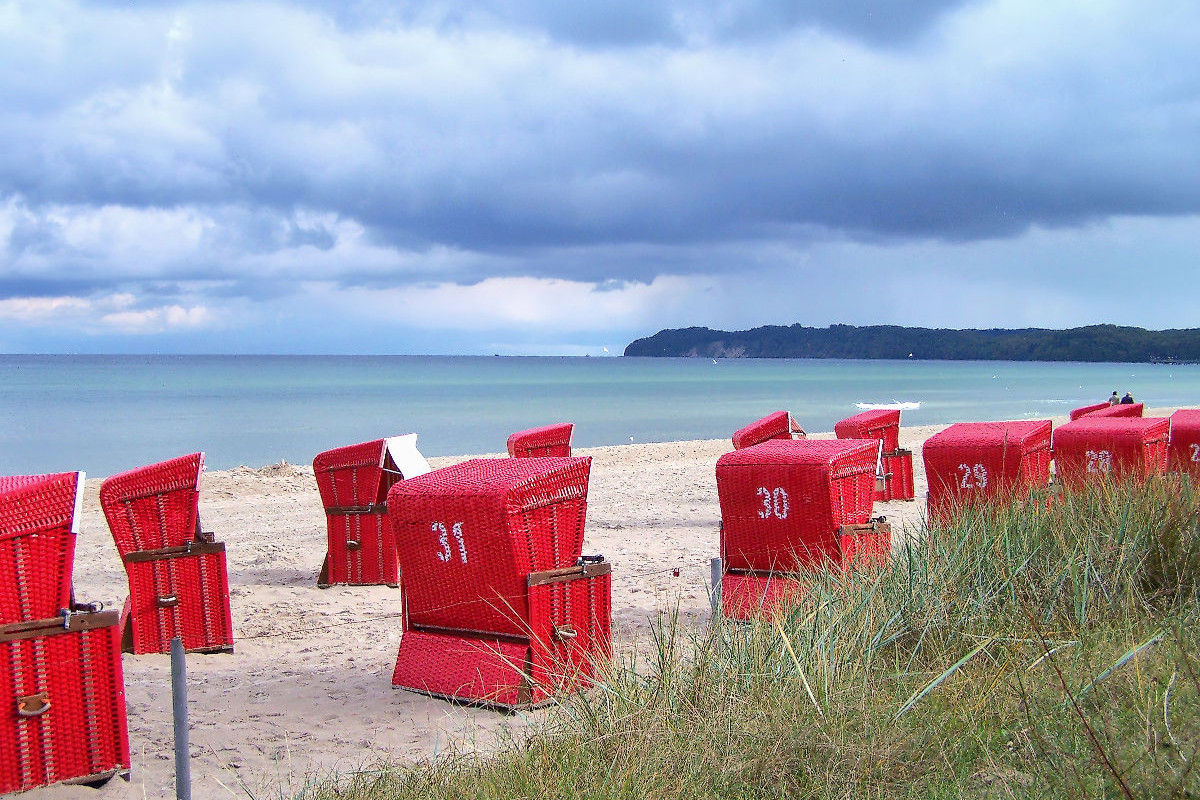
1038, 648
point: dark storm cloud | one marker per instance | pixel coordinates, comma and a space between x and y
253, 147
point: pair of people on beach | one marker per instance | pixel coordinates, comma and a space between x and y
1114, 400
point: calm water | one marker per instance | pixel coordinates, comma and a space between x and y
105, 414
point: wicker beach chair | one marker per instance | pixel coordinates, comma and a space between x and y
789, 507
548, 440
501, 608
60, 663
1099, 448
777, 425
178, 581
980, 462
896, 464
354, 483
1184, 443
1076, 413
1119, 410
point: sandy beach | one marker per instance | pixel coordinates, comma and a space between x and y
308, 690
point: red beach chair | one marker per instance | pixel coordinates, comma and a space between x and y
973, 462
178, 583
1117, 447
1119, 410
1076, 413
354, 483
501, 609
897, 464
549, 440
788, 507
60, 663
1184, 447
778, 425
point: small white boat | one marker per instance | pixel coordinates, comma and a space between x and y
895, 404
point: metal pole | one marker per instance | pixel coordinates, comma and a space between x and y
183, 765
715, 568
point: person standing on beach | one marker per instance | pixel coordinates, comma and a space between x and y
1112, 401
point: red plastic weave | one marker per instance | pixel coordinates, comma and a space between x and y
154, 507
1119, 410
1184, 448
38, 525
467, 537
882, 424
361, 548
1117, 447
782, 502
778, 425
548, 440
1083, 412
83, 734
972, 462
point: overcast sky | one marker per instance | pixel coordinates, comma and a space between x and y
541, 176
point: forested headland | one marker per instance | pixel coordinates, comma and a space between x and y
1090, 343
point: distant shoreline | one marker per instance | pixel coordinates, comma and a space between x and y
1091, 344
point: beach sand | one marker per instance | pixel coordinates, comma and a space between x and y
308, 691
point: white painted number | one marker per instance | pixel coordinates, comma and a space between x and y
1099, 461
974, 476
444, 540
775, 503
1195, 451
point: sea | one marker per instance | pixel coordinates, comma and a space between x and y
107, 414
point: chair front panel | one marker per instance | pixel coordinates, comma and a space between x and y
80, 730
186, 597
1117, 448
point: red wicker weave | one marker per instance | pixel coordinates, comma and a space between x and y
64, 717
778, 425
39, 514
972, 462
882, 424
1076, 413
178, 583
499, 608
746, 595
898, 476
1184, 448
1117, 447
354, 483
1119, 410
549, 440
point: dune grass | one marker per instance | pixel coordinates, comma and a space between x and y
1032, 649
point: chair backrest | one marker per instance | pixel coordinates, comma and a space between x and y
1119, 410
468, 535
154, 506
1184, 447
1120, 447
777, 425
548, 440
782, 501
39, 520
361, 474
970, 461
1076, 413
882, 424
